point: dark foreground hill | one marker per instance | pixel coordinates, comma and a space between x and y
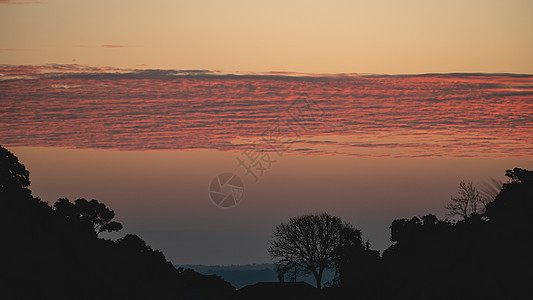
54, 252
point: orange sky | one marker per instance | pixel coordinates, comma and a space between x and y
382, 36
163, 195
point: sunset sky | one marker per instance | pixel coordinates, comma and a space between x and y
384, 107
341, 36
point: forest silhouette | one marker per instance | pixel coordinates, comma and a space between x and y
55, 252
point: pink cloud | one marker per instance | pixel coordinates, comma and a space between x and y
438, 115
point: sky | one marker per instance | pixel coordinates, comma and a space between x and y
370, 149
311, 36
369, 110
162, 196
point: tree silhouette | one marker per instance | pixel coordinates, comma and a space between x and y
13, 175
353, 258
467, 203
307, 244
514, 204
93, 213
519, 176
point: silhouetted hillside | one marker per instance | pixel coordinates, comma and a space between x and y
55, 253
484, 256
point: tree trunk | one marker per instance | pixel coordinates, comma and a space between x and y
318, 278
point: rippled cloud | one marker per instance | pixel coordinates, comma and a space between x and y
452, 115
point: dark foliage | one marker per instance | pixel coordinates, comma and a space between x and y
55, 253
483, 256
92, 215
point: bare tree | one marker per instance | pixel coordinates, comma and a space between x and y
468, 202
307, 244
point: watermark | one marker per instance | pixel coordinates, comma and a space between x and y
279, 137
226, 190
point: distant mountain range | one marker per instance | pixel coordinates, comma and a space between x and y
243, 275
